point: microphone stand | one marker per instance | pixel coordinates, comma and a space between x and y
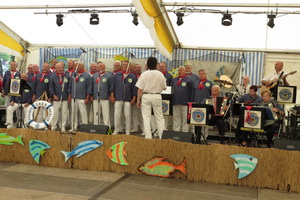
60, 102
74, 81
98, 95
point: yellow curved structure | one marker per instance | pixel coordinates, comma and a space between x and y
162, 31
10, 43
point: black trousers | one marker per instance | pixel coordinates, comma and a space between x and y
270, 130
219, 122
215, 121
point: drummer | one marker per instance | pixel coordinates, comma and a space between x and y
244, 87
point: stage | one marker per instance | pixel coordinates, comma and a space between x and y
276, 169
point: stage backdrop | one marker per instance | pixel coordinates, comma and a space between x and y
252, 63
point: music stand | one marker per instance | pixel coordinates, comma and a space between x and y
17, 86
256, 122
198, 115
286, 94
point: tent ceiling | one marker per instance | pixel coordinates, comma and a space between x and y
200, 29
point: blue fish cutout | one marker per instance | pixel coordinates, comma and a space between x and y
37, 148
245, 163
83, 148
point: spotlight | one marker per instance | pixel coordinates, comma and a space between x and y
59, 20
135, 20
226, 19
271, 20
179, 18
94, 20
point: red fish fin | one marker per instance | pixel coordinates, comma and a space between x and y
182, 167
109, 153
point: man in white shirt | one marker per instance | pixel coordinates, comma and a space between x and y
150, 84
245, 87
268, 80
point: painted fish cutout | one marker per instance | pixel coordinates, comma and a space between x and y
117, 153
8, 140
245, 163
37, 148
161, 168
82, 148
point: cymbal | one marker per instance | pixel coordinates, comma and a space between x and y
226, 81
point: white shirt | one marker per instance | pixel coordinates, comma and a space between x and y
152, 81
243, 90
272, 76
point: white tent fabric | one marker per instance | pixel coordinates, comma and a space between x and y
200, 30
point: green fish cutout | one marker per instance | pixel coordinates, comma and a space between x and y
117, 153
245, 163
8, 140
37, 148
161, 168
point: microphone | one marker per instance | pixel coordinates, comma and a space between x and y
131, 55
83, 51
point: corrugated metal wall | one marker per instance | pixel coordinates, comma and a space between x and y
252, 62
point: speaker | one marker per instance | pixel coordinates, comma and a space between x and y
179, 136
2, 118
291, 145
90, 128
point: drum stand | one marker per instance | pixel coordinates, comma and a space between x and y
20, 122
232, 101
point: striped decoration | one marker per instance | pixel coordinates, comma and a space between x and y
253, 62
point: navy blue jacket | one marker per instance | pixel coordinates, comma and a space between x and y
43, 86
6, 80
55, 88
105, 85
183, 92
169, 79
200, 95
83, 87
124, 90
26, 96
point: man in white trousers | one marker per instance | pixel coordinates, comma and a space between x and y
25, 100
183, 93
12, 73
80, 90
123, 95
150, 84
102, 83
137, 119
59, 91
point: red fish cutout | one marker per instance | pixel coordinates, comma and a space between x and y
161, 168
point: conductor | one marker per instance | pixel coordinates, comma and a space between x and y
150, 84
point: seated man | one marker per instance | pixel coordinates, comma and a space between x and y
219, 109
247, 99
271, 127
15, 102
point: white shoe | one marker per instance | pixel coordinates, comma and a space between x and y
143, 133
127, 133
53, 129
63, 129
134, 131
155, 135
9, 126
115, 133
71, 130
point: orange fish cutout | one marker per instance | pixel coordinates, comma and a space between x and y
157, 166
117, 153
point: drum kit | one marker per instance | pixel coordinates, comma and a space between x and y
226, 82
